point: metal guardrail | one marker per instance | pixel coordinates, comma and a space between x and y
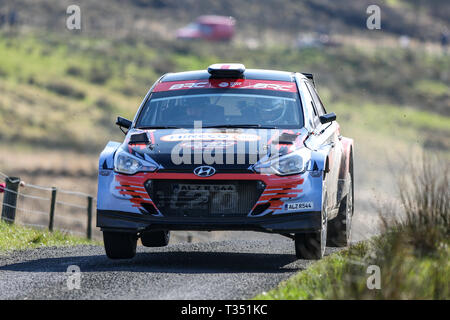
10, 203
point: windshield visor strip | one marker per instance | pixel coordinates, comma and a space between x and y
227, 95
282, 86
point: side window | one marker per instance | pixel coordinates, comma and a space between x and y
310, 108
317, 101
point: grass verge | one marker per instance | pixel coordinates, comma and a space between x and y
14, 237
412, 255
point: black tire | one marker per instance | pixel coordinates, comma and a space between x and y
339, 228
311, 245
159, 238
120, 245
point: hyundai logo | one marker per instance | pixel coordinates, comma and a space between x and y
204, 171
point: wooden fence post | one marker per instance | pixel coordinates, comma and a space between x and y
52, 210
10, 199
89, 217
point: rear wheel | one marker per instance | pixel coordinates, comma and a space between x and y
120, 245
340, 227
158, 238
312, 245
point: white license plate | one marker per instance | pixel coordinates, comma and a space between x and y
300, 206
206, 187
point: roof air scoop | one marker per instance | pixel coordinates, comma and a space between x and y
226, 70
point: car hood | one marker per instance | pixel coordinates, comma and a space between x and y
228, 150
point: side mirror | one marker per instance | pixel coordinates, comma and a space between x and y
326, 118
124, 123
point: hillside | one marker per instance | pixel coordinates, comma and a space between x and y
65, 94
262, 19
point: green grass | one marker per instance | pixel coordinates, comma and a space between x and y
344, 275
14, 237
432, 88
319, 281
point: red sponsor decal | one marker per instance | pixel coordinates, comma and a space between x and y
226, 84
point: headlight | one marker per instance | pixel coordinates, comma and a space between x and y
293, 163
129, 164
289, 165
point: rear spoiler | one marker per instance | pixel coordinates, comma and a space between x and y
310, 76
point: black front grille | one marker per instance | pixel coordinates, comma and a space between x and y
208, 198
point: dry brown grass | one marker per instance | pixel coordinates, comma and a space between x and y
425, 203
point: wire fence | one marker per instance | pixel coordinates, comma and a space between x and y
46, 207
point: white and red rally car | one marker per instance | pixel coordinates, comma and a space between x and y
228, 149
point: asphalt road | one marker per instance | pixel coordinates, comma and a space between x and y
228, 269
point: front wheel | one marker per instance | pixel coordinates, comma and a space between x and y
120, 245
311, 245
341, 226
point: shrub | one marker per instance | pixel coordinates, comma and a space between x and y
99, 75
74, 71
104, 104
424, 197
65, 89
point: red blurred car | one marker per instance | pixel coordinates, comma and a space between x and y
212, 28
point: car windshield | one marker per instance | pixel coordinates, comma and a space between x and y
216, 108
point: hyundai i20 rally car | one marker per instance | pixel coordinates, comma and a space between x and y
228, 149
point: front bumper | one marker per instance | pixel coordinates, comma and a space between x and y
133, 222
290, 204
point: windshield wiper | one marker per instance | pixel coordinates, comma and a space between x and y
241, 126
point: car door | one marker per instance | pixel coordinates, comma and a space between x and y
326, 136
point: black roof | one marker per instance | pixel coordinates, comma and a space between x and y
256, 74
